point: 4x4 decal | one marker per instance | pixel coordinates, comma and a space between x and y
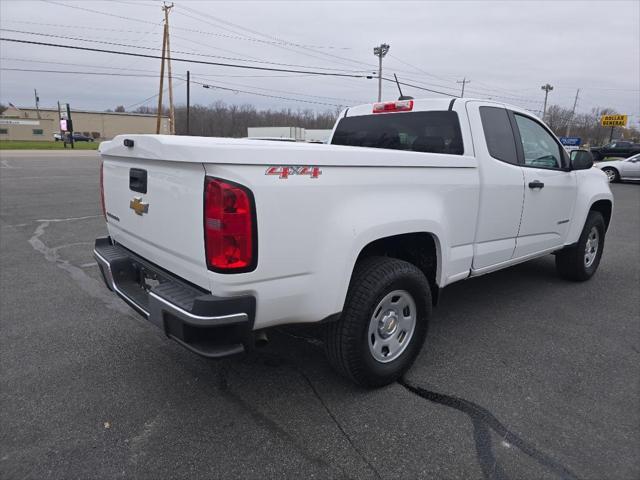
285, 172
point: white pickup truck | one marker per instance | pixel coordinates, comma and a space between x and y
215, 240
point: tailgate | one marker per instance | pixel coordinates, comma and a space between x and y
155, 209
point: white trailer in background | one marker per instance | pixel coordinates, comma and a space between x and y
317, 135
296, 133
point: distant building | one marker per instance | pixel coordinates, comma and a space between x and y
24, 124
295, 133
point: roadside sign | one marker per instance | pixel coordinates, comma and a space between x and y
63, 125
12, 121
571, 141
613, 120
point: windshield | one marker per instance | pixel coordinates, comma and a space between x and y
434, 132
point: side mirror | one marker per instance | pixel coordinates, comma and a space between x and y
581, 160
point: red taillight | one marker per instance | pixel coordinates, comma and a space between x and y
399, 106
229, 230
104, 210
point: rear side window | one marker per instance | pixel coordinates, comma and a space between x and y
433, 132
498, 134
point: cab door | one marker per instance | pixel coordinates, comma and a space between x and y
549, 188
630, 168
502, 185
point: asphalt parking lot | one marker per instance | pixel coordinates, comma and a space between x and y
523, 376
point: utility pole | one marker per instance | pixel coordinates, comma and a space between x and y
164, 47
380, 52
172, 116
547, 88
70, 125
35, 94
166, 55
188, 100
464, 81
573, 112
60, 123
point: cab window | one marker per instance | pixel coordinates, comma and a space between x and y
429, 132
539, 147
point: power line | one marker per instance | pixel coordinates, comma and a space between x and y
201, 32
278, 44
186, 60
196, 54
142, 102
79, 27
76, 7
13, 59
351, 100
420, 70
76, 72
405, 84
273, 40
235, 90
310, 73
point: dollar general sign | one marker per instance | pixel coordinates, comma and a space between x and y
613, 120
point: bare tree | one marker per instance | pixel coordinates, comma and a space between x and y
222, 120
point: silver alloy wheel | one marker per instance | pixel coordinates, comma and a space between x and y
591, 248
391, 326
611, 174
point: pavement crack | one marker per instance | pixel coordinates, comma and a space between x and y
266, 422
89, 285
276, 360
483, 422
337, 423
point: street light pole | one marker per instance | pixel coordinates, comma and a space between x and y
547, 88
380, 52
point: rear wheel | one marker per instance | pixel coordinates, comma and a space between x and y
383, 324
581, 261
612, 174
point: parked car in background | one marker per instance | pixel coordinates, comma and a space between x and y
79, 137
617, 148
57, 137
621, 169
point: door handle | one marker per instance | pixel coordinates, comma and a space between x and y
536, 184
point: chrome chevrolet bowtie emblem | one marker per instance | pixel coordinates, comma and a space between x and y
138, 206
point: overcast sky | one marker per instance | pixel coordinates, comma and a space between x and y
507, 49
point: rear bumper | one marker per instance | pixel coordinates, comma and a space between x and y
210, 326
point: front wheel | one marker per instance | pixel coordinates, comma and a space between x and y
383, 324
581, 261
612, 174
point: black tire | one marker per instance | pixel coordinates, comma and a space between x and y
616, 174
571, 263
347, 339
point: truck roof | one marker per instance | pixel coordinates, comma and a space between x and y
427, 104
